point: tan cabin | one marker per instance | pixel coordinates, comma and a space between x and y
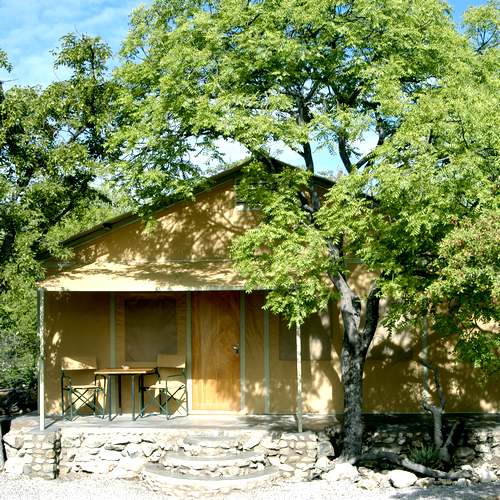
130, 294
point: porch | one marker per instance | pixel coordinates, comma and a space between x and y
238, 358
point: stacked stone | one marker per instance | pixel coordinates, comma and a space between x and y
123, 455
33, 453
293, 453
42, 454
479, 447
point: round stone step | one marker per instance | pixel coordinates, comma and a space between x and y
173, 483
210, 445
237, 464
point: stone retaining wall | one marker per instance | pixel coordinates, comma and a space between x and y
476, 439
124, 453
34, 453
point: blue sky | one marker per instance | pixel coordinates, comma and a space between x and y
30, 29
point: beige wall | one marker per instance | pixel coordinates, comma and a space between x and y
77, 325
188, 230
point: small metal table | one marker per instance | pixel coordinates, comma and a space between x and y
119, 372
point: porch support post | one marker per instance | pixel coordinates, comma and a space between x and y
112, 350
112, 329
267, 366
298, 405
189, 356
425, 355
41, 356
242, 352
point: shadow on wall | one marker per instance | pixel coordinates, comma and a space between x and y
186, 231
394, 378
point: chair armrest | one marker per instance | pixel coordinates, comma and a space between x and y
181, 373
99, 377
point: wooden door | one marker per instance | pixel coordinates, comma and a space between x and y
215, 364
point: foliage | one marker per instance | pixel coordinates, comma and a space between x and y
424, 215
51, 148
427, 455
4, 61
320, 73
256, 72
482, 25
298, 287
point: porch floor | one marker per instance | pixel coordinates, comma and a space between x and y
213, 421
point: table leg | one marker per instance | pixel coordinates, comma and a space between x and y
141, 390
120, 393
133, 396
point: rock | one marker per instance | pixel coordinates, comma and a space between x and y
14, 440
251, 442
286, 468
402, 478
95, 467
110, 455
482, 448
274, 460
463, 482
148, 449
368, 483
464, 452
132, 464
485, 475
14, 465
134, 450
324, 464
424, 482
269, 444
95, 441
325, 449
342, 472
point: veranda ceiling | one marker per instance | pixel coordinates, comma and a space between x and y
147, 277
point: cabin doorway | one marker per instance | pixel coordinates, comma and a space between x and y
215, 351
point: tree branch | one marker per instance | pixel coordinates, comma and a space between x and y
372, 316
412, 466
344, 153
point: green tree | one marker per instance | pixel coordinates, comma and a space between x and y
51, 150
308, 74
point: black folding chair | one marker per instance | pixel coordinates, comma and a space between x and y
77, 397
168, 393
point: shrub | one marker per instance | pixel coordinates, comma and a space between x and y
427, 455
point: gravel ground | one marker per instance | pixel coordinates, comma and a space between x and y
90, 488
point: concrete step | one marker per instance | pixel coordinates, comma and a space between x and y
227, 465
174, 483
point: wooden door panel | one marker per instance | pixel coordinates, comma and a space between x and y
216, 367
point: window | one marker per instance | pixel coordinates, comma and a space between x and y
150, 328
316, 336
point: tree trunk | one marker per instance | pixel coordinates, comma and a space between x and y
352, 377
355, 345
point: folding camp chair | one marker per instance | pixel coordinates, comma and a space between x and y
79, 396
168, 393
